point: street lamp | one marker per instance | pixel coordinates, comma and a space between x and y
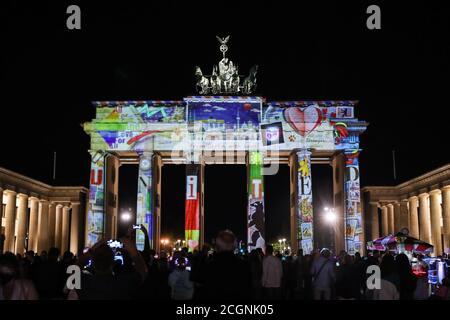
330, 215
125, 216
331, 218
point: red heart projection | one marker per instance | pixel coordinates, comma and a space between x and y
303, 121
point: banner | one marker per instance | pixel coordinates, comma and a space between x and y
256, 219
305, 234
192, 205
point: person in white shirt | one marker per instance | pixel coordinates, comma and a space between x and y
272, 274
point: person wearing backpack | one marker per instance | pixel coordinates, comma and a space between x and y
323, 276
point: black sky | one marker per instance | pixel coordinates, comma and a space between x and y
147, 50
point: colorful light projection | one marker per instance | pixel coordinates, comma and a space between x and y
256, 218
353, 222
224, 123
192, 206
144, 214
95, 218
305, 202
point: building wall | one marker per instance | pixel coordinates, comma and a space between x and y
421, 205
37, 216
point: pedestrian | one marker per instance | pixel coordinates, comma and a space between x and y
323, 276
272, 275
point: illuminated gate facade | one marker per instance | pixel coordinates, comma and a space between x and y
202, 130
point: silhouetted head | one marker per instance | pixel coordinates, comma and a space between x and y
9, 267
225, 241
387, 265
53, 254
326, 253
103, 258
269, 250
403, 265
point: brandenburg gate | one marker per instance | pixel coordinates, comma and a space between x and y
226, 124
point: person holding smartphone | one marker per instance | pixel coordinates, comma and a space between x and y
103, 283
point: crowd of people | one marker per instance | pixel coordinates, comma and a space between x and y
219, 274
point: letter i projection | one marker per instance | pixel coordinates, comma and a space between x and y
144, 213
305, 203
256, 219
353, 223
192, 205
95, 217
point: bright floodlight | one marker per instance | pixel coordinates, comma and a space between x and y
126, 216
330, 216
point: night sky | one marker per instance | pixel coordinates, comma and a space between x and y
135, 50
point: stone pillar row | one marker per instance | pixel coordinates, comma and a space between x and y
427, 217
49, 224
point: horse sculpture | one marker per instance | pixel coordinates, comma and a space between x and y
202, 82
249, 84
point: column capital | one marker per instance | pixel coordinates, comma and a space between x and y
75, 203
445, 188
22, 195
9, 192
58, 205
435, 192
43, 201
32, 198
303, 151
390, 205
423, 195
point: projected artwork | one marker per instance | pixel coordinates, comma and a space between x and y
192, 206
198, 125
256, 220
353, 223
95, 216
144, 214
305, 203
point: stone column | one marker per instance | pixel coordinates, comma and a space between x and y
413, 217
65, 229
391, 218
33, 225
404, 218
425, 219
384, 221
144, 207
51, 225
10, 219
375, 227
22, 207
446, 215
58, 226
397, 216
435, 206
255, 207
305, 229
42, 242
354, 223
75, 228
